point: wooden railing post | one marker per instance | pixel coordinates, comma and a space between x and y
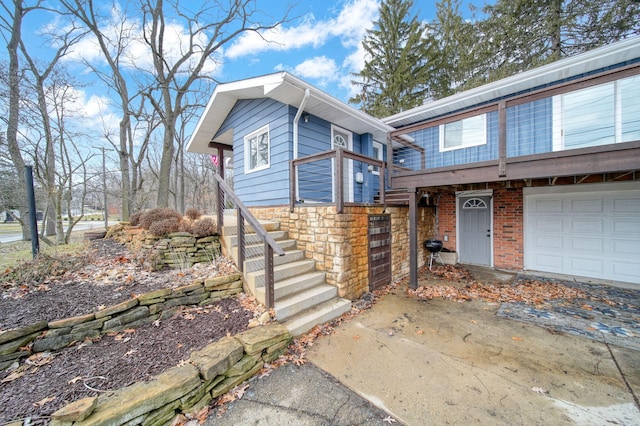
220, 209
293, 185
268, 276
241, 242
339, 180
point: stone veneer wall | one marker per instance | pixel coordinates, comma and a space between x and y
186, 388
339, 242
44, 336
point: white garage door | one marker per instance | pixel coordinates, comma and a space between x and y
584, 230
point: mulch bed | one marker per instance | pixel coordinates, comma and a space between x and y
45, 382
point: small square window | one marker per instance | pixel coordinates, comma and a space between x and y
257, 150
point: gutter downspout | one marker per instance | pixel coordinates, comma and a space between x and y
296, 119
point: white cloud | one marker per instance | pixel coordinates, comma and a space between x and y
319, 68
348, 25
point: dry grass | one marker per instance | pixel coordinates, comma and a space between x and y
12, 254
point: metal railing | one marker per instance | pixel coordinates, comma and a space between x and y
227, 198
336, 177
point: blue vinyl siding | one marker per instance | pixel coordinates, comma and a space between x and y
429, 140
269, 186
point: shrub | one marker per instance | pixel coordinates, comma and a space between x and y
156, 215
193, 214
134, 219
204, 228
165, 226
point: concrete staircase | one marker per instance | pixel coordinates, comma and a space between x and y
303, 299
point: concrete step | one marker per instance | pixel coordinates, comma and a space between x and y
255, 279
303, 300
231, 227
257, 263
292, 285
257, 250
319, 314
252, 239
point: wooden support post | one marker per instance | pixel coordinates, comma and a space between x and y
413, 238
502, 138
220, 206
339, 180
292, 185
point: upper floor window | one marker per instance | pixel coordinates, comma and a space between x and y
463, 133
598, 115
257, 150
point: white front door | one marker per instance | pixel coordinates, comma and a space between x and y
587, 230
341, 138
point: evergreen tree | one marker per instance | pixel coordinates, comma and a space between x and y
396, 73
457, 53
523, 34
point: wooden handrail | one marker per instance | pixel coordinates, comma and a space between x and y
243, 213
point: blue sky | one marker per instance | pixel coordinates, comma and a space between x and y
320, 43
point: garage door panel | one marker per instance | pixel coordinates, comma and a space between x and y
584, 230
548, 242
626, 226
626, 248
554, 263
586, 266
549, 224
552, 205
587, 245
626, 205
626, 269
586, 226
586, 206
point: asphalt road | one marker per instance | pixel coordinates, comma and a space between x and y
80, 226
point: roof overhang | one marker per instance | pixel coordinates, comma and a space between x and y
289, 90
593, 60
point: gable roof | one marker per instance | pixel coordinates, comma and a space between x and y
571, 67
289, 90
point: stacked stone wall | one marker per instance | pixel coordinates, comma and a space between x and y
42, 336
179, 250
210, 372
339, 242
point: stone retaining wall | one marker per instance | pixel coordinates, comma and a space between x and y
44, 336
177, 250
339, 242
187, 388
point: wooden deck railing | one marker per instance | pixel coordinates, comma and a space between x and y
226, 197
336, 181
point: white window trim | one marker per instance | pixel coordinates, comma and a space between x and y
441, 131
380, 146
348, 171
264, 129
558, 112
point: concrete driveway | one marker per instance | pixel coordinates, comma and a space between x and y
444, 362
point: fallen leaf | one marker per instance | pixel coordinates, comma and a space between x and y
13, 376
189, 317
474, 322
356, 337
129, 330
389, 420
517, 338
74, 380
539, 390
420, 331
44, 401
